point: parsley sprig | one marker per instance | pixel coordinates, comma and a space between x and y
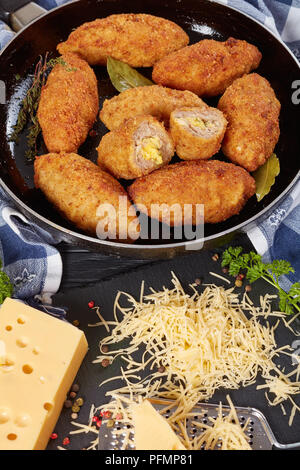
255, 268
6, 287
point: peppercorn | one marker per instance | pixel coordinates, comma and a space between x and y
75, 388
161, 369
75, 408
79, 402
68, 404
104, 348
119, 416
238, 283
54, 436
66, 441
248, 288
91, 304
73, 394
74, 415
105, 363
110, 423
215, 257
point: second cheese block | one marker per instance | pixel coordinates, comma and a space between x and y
40, 357
152, 431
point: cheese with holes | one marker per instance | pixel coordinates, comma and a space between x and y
40, 357
151, 430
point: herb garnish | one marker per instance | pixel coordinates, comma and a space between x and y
265, 176
123, 76
270, 272
29, 106
6, 287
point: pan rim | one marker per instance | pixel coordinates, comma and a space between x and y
187, 244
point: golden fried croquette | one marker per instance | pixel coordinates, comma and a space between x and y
137, 39
208, 67
140, 145
77, 187
152, 100
197, 133
223, 188
68, 105
252, 110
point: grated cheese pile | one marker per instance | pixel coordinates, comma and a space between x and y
223, 433
194, 345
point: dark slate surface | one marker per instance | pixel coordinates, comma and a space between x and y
83, 269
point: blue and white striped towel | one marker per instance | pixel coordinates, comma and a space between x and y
34, 264
31, 261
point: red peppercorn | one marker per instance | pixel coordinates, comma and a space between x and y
66, 441
98, 424
54, 436
91, 304
107, 414
95, 419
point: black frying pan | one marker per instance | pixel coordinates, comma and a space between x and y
200, 19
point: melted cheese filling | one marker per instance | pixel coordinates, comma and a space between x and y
151, 150
196, 123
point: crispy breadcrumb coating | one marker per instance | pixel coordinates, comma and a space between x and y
77, 187
152, 100
68, 105
208, 67
252, 110
223, 188
197, 132
139, 40
140, 145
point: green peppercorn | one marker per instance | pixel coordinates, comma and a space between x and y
79, 402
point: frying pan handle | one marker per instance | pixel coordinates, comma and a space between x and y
19, 13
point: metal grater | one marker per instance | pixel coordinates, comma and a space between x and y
258, 430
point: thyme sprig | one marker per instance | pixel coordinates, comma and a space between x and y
30, 104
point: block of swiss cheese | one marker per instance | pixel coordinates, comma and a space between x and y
151, 430
39, 359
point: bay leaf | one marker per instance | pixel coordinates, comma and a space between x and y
123, 76
265, 176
